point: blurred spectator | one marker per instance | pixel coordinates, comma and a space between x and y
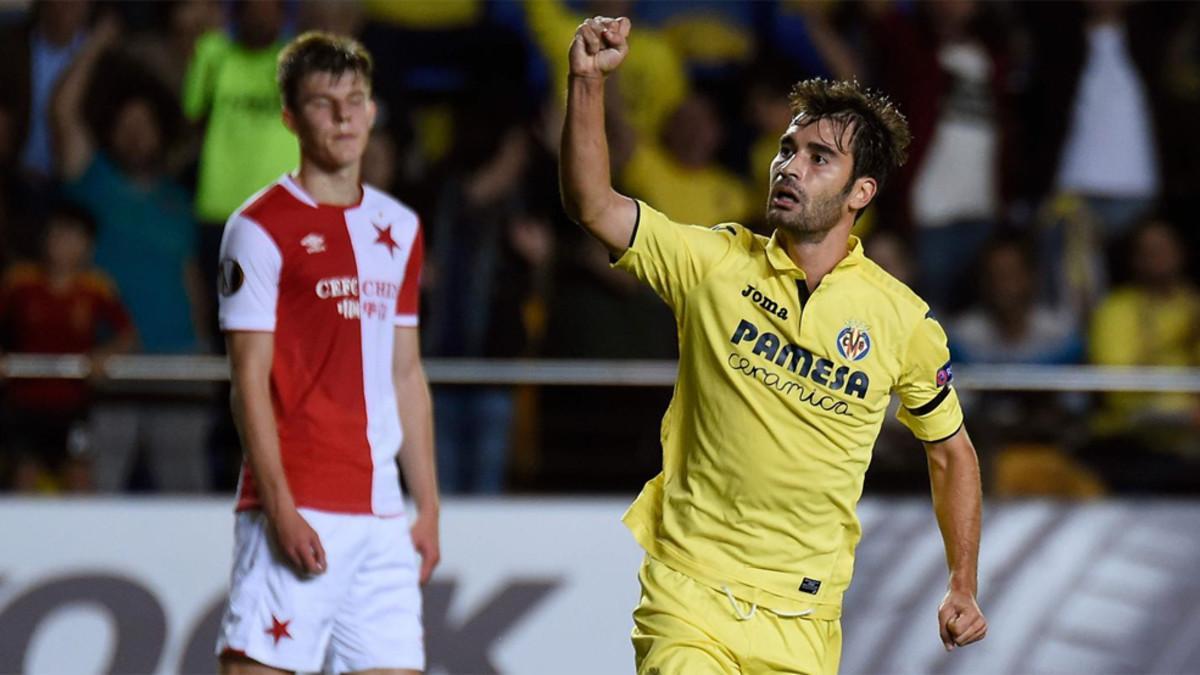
431, 14
711, 37
168, 49
146, 235
33, 59
8, 146
946, 65
379, 165
769, 113
8, 139
891, 253
147, 243
652, 82
1181, 156
1103, 143
230, 91
680, 173
164, 49
58, 305
809, 35
597, 439
487, 251
601, 438
394, 162
1008, 326
598, 312
34, 52
332, 16
1023, 436
1150, 441
439, 55
1096, 104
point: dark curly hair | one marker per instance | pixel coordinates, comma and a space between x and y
879, 132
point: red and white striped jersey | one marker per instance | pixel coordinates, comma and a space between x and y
331, 283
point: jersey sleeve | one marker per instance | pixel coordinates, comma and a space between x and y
408, 300
929, 406
672, 258
248, 278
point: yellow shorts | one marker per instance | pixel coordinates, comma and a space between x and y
683, 627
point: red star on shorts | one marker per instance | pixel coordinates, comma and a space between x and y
279, 629
385, 238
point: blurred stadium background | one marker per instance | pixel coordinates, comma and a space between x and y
1046, 212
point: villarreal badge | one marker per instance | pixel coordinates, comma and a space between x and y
854, 342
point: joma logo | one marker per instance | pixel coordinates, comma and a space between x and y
763, 301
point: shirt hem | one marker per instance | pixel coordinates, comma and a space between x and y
256, 326
947, 436
743, 591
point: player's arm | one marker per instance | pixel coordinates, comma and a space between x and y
957, 502
599, 46
416, 455
929, 407
73, 143
250, 357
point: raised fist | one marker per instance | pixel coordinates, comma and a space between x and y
599, 47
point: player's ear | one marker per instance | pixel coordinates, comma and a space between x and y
862, 193
289, 119
372, 109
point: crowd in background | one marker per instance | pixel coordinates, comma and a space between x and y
1045, 213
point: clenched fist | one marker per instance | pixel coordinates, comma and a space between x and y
600, 45
960, 620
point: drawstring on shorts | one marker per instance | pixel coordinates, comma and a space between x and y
792, 615
737, 610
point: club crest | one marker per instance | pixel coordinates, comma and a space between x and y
854, 342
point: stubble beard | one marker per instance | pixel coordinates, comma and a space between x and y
811, 221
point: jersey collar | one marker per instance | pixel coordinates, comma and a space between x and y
293, 186
782, 262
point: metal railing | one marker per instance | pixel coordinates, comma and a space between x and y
201, 368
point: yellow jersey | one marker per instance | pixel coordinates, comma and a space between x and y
778, 402
1133, 328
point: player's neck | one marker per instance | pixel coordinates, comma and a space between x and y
817, 257
340, 187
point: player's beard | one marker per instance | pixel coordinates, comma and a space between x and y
811, 219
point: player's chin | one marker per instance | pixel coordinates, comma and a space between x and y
346, 145
781, 218
341, 156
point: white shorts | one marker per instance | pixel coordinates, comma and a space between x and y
363, 612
